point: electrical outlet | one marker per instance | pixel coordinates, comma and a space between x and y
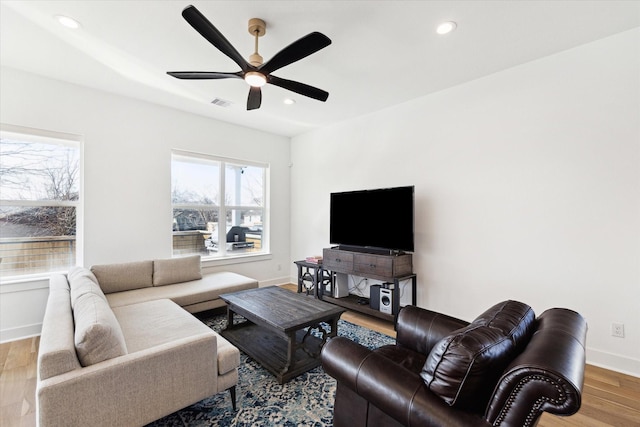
617, 330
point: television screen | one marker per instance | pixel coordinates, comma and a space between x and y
376, 219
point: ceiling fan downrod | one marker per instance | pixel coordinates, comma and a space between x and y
257, 28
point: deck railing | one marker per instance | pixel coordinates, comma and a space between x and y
44, 254
33, 255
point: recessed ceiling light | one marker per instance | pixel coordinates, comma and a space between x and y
68, 22
446, 27
289, 101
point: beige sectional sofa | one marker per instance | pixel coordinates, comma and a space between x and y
117, 348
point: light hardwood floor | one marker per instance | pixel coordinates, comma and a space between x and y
609, 399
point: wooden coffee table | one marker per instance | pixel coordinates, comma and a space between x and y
278, 330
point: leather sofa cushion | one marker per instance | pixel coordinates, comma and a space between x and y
176, 270
97, 334
124, 276
464, 367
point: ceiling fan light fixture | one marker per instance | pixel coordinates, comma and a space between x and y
446, 27
255, 79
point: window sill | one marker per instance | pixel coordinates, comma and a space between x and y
238, 259
26, 283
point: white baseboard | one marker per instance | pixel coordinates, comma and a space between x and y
614, 362
20, 333
274, 282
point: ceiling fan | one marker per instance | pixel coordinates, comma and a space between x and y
255, 72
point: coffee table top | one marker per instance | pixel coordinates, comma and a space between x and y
279, 308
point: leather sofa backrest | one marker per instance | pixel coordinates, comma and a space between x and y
420, 330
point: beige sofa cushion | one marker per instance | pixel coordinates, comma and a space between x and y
82, 281
176, 270
77, 272
125, 276
185, 294
228, 356
98, 335
155, 323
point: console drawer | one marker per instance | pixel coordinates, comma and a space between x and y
368, 265
336, 260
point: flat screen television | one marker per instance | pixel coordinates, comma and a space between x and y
379, 220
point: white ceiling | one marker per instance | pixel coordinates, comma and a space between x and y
383, 52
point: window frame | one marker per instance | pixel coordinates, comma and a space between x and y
34, 135
224, 255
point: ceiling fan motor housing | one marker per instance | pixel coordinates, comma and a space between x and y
255, 59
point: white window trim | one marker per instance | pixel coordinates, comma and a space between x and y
51, 137
225, 258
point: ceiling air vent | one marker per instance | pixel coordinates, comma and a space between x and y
221, 102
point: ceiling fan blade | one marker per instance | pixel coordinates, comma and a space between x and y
204, 75
297, 50
255, 98
215, 37
301, 88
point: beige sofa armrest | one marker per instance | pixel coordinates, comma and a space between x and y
57, 353
133, 389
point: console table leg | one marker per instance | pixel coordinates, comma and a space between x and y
300, 281
334, 327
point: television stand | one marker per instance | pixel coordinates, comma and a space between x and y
387, 268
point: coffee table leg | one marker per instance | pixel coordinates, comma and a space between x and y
229, 317
291, 352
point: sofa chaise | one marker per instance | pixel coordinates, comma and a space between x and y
120, 347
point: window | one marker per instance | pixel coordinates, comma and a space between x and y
39, 201
219, 206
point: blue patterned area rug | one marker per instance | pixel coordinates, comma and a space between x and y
306, 400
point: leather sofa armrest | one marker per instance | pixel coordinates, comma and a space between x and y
396, 391
547, 376
419, 329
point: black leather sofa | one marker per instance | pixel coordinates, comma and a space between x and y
503, 369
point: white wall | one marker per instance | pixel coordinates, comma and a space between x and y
527, 187
127, 184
